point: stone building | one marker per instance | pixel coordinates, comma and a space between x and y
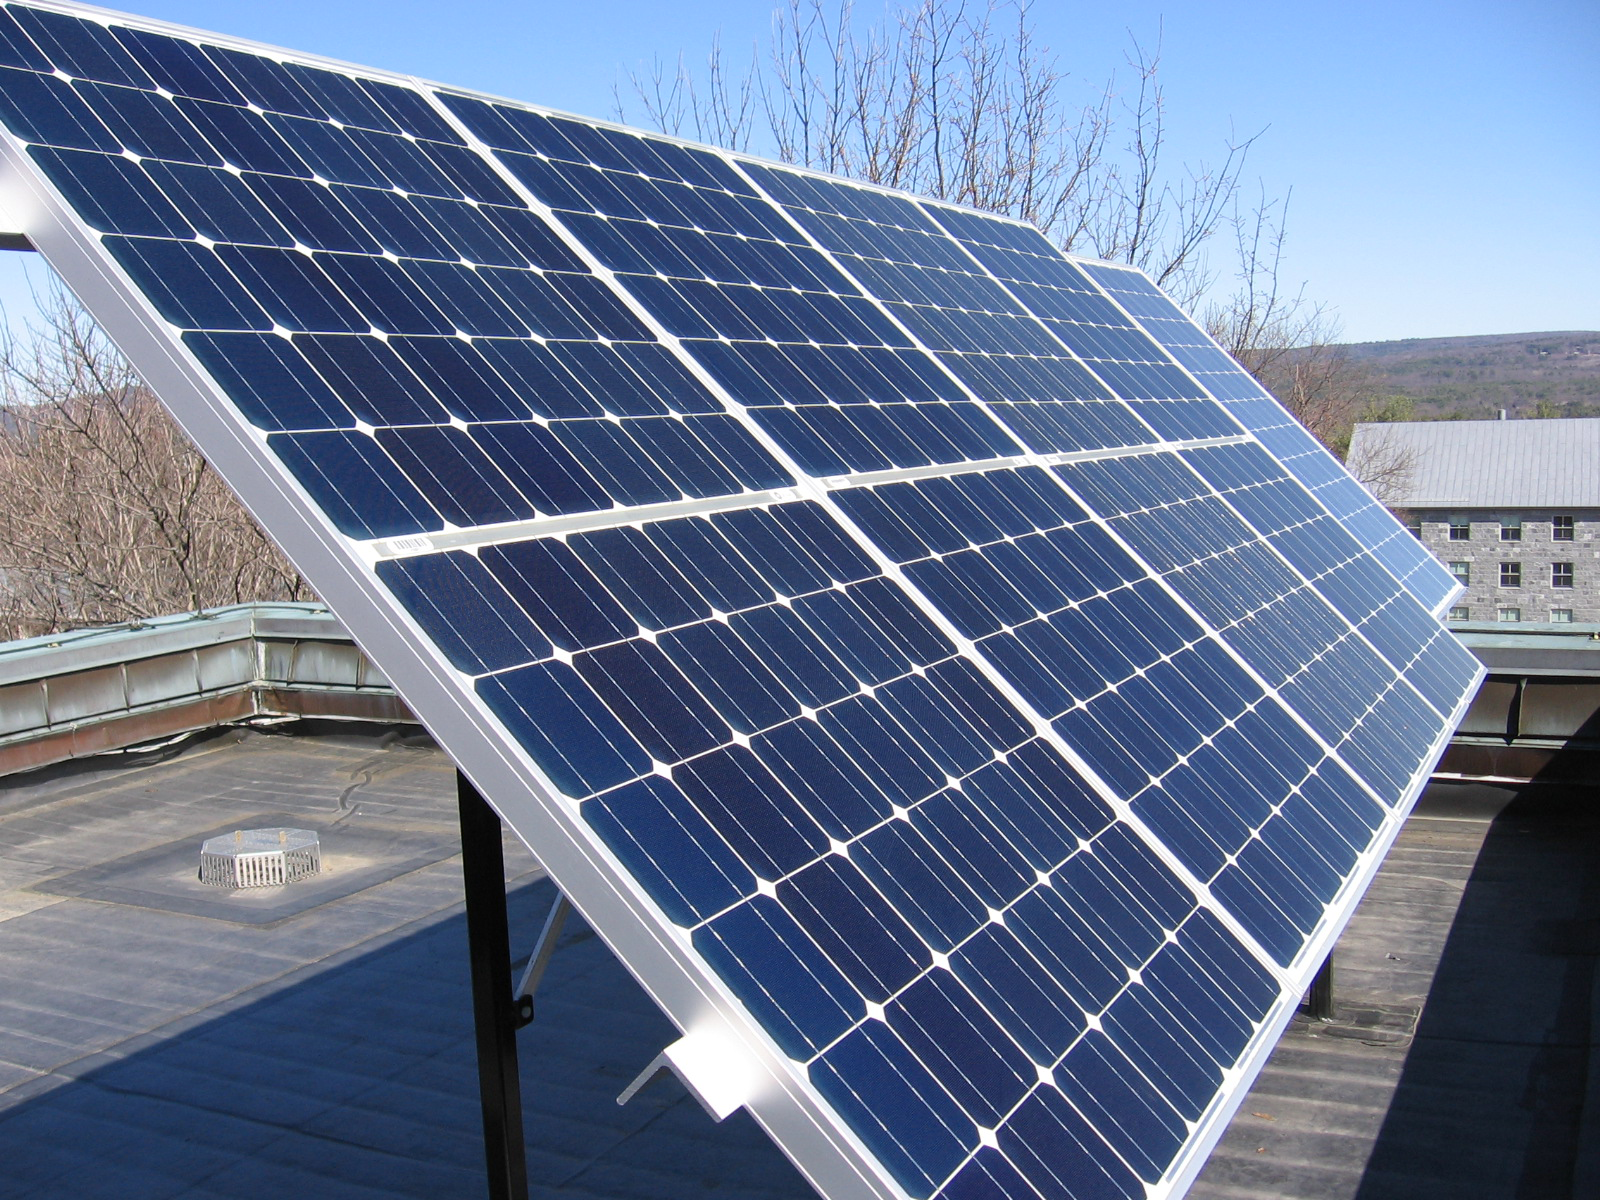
1512, 508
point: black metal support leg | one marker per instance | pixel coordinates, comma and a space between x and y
489, 946
1319, 1000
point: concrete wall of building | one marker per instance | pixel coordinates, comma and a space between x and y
1537, 552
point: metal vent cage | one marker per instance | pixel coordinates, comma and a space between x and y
260, 858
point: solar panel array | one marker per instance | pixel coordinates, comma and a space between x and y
964, 677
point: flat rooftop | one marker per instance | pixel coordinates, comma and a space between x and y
159, 1038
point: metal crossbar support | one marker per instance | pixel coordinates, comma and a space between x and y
494, 1013
1319, 998
540, 959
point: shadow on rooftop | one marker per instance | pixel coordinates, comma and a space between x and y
1499, 1098
357, 1079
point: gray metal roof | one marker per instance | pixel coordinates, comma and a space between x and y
1481, 464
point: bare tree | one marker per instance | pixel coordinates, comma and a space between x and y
1287, 341
957, 99
107, 513
1385, 463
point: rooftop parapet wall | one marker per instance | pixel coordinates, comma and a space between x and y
67, 695
73, 694
1537, 715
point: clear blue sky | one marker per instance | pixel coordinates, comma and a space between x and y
1444, 157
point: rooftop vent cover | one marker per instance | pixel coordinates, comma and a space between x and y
260, 858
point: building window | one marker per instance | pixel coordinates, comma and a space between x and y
1414, 524
1508, 614
1560, 575
1463, 573
1511, 531
1460, 613
1561, 616
1561, 529
1460, 529
1511, 574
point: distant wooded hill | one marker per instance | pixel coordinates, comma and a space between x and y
1528, 374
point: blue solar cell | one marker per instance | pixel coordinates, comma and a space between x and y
186, 284
220, 206
966, 1050
744, 691
1065, 949
562, 596
1058, 1153
801, 998
670, 849
364, 494
112, 194
372, 379
462, 607
834, 789
455, 476
81, 48
149, 125
17, 49
576, 740
45, 109
747, 806
896, 1106
652, 699
271, 382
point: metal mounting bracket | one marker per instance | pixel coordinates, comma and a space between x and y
1318, 1004
714, 1072
539, 960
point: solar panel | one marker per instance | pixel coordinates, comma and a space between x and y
969, 711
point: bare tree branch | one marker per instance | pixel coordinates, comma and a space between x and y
1385, 464
107, 513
